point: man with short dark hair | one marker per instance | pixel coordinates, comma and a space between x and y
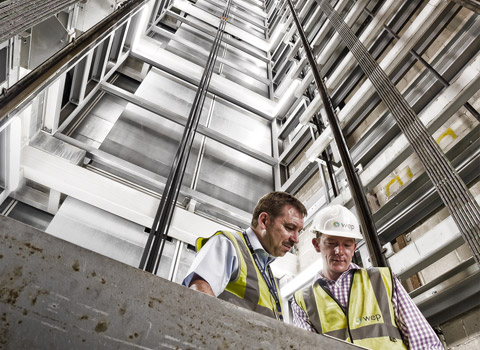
235, 266
368, 307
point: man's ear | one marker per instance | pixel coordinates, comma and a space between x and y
316, 244
263, 220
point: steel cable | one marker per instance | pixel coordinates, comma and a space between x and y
17, 16
356, 188
452, 194
153, 251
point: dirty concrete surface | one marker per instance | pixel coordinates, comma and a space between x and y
55, 295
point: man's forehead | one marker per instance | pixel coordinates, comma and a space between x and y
290, 213
290, 216
291, 210
336, 238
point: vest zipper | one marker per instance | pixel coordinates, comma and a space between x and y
348, 306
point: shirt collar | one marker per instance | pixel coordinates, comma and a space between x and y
258, 248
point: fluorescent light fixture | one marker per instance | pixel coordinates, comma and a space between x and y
305, 82
285, 98
311, 110
14, 154
320, 144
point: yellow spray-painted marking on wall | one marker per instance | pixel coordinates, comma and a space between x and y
391, 182
397, 178
448, 132
409, 172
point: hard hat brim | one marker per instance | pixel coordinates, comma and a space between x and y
356, 235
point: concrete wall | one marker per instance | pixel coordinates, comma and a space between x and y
463, 333
55, 295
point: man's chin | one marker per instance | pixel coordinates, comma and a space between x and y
338, 266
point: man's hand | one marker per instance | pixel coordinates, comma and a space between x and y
198, 283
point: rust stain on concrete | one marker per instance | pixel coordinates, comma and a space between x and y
152, 300
76, 266
101, 326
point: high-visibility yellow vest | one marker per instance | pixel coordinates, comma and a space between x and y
247, 288
369, 318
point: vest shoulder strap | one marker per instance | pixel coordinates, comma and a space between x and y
244, 289
305, 298
381, 281
240, 247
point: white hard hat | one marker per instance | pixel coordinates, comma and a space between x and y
336, 220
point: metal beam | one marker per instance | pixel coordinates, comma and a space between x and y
300, 177
473, 5
204, 16
202, 52
211, 31
150, 181
296, 146
451, 302
293, 119
181, 120
442, 278
220, 86
239, 14
420, 199
121, 198
435, 244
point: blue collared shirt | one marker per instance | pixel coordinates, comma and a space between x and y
217, 261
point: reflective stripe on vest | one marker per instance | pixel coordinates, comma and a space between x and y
371, 321
247, 288
306, 300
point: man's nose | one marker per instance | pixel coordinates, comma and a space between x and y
294, 237
338, 250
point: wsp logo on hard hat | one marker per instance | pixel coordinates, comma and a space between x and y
338, 224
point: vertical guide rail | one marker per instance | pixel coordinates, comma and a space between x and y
154, 247
356, 188
463, 208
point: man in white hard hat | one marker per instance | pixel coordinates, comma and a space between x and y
368, 307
